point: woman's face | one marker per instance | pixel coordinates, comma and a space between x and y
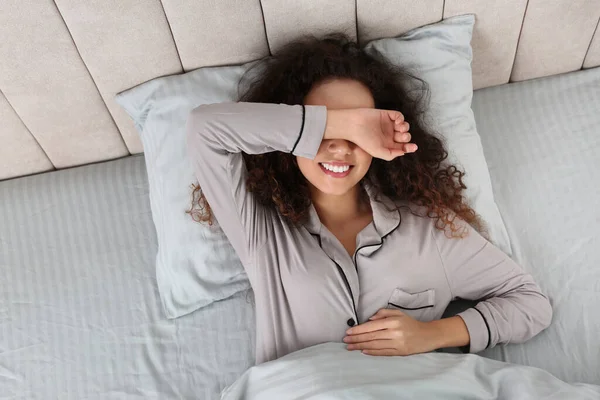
339, 164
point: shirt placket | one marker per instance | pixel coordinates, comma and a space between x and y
346, 269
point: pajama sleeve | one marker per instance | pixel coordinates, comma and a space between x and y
511, 307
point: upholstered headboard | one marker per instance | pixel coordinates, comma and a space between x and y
62, 61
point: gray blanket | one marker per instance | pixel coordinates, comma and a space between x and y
329, 371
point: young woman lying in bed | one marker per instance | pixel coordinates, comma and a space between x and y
347, 219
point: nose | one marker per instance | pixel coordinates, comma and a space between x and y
339, 146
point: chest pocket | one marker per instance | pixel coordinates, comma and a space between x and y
418, 305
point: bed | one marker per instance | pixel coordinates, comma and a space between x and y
80, 312
81, 317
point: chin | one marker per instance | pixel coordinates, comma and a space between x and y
337, 190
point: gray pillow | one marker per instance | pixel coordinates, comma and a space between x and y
195, 263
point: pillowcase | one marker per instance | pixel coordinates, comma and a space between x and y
441, 55
195, 264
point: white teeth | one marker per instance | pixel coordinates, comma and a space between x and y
336, 168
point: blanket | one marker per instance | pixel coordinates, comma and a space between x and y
329, 371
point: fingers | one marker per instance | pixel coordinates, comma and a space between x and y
400, 151
399, 145
382, 352
372, 345
367, 337
395, 116
388, 154
396, 153
402, 137
370, 326
410, 148
401, 126
386, 312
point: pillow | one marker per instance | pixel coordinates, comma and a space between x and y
195, 263
441, 55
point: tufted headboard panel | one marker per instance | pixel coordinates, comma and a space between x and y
62, 61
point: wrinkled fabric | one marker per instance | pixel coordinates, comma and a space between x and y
329, 371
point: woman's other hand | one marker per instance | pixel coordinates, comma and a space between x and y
393, 333
381, 133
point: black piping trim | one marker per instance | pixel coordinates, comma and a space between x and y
407, 308
377, 244
487, 326
318, 238
341, 271
301, 128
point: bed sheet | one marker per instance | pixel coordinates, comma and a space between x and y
80, 316
541, 139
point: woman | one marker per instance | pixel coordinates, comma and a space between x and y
350, 228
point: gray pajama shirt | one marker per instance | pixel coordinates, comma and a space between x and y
308, 289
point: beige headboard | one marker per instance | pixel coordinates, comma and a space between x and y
62, 61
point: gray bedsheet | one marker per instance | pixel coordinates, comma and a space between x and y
541, 139
80, 316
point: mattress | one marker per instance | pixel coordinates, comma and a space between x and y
80, 316
541, 139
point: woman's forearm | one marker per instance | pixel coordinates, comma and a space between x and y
338, 125
257, 128
449, 332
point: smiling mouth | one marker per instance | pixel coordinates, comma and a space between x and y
336, 170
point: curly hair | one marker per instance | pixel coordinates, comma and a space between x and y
421, 178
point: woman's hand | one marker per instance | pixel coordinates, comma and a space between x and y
393, 333
381, 133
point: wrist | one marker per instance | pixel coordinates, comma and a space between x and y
338, 125
448, 332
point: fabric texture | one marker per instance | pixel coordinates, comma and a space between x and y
44, 79
401, 260
542, 139
80, 314
548, 31
375, 21
592, 59
209, 33
309, 18
122, 43
19, 144
196, 264
495, 37
329, 371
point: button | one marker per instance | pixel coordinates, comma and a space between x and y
351, 322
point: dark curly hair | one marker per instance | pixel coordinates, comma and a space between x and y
421, 178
